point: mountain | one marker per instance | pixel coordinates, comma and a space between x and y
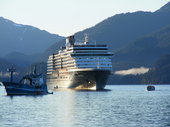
52, 49
160, 73
4, 64
121, 29
165, 8
23, 38
21, 59
21, 45
144, 51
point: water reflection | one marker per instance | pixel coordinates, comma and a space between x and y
119, 106
75, 107
85, 106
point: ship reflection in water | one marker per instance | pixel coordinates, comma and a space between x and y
119, 106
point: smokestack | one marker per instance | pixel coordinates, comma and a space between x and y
70, 41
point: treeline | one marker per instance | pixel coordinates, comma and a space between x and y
158, 74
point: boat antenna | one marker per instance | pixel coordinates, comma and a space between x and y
34, 70
11, 70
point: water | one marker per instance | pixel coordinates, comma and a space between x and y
120, 106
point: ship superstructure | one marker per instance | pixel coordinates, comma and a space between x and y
80, 65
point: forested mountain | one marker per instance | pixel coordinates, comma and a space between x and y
144, 51
21, 59
160, 73
165, 8
23, 38
22, 45
121, 29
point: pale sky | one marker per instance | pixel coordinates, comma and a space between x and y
66, 17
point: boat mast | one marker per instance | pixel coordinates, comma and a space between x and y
11, 70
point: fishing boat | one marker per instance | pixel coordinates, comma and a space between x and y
31, 84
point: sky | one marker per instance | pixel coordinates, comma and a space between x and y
66, 17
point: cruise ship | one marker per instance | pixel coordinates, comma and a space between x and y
79, 65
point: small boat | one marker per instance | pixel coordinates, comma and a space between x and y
31, 84
150, 88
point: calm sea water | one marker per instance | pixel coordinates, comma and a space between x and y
119, 106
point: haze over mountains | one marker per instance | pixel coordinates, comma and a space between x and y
23, 44
137, 39
24, 39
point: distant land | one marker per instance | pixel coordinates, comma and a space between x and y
137, 39
160, 72
24, 39
23, 44
144, 51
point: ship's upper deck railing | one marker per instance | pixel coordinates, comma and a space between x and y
77, 46
90, 46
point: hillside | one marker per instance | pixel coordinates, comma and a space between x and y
121, 29
21, 59
160, 73
165, 8
23, 38
144, 51
4, 64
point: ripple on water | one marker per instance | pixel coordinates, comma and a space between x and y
119, 106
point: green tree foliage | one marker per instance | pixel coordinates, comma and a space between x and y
160, 73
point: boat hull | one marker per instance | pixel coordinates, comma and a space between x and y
80, 79
22, 89
150, 88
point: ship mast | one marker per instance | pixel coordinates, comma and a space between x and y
11, 70
86, 39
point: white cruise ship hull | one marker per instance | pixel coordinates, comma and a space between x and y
79, 79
